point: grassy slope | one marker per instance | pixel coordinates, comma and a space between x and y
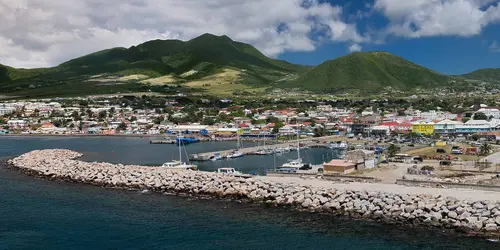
368, 71
207, 55
492, 75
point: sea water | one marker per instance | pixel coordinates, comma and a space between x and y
43, 214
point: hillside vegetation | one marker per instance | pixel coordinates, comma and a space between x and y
488, 75
368, 71
219, 65
179, 61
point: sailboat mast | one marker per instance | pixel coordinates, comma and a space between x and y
298, 141
180, 149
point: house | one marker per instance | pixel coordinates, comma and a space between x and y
446, 127
397, 126
287, 130
17, 123
378, 130
339, 166
422, 127
490, 112
363, 159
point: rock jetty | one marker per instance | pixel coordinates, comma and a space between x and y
479, 217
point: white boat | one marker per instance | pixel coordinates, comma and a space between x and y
216, 157
233, 172
235, 154
338, 145
297, 163
179, 164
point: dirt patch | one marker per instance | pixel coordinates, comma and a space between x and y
166, 79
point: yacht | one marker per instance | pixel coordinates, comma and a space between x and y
179, 164
235, 154
338, 145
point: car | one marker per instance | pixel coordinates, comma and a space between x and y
441, 150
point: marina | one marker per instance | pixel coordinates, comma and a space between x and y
285, 147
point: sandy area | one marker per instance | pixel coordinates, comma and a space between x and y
189, 73
160, 80
460, 194
133, 77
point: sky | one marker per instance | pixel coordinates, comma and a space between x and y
449, 36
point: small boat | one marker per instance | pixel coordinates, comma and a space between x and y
338, 145
179, 165
296, 164
216, 157
233, 172
261, 152
235, 154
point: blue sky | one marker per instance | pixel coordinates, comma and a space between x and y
447, 54
449, 36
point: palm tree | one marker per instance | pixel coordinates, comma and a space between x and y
485, 149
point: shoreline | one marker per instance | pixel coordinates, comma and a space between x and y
469, 217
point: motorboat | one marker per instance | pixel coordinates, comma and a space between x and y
233, 172
235, 154
216, 157
338, 145
296, 164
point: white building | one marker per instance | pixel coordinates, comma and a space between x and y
495, 113
17, 123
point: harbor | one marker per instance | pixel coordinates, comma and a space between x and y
318, 142
475, 212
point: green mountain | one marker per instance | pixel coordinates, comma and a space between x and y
200, 57
487, 75
369, 72
221, 66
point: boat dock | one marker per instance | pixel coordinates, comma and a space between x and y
317, 142
162, 142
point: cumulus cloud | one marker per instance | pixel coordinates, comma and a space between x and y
354, 47
37, 33
422, 18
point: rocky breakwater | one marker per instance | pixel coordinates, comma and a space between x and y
480, 217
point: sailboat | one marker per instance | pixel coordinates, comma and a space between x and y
236, 153
180, 165
297, 163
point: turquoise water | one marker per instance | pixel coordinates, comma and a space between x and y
41, 214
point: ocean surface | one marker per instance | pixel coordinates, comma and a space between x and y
41, 214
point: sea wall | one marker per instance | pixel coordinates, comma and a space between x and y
481, 217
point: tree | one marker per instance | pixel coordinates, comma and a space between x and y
401, 112
122, 126
319, 132
277, 125
392, 150
208, 121
485, 149
102, 114
480, 116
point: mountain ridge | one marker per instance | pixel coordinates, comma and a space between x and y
218, 62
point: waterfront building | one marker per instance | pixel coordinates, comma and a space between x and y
422, 127
445, 127
473, 126
339, 166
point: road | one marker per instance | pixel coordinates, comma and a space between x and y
493, 158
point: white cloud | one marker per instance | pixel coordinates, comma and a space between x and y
421, 18
354, 47
494, 47
37, 33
